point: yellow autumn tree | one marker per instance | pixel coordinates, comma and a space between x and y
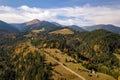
96, 48
119, 78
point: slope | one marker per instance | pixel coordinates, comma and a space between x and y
5, 27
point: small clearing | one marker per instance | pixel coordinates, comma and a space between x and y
62, 31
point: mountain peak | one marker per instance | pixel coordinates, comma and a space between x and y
34, 21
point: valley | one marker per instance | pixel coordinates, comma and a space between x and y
41, 50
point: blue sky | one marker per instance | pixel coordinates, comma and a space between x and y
66, 12
58, 3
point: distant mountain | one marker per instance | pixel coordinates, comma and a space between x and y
5, 27
51, 26
57, 24
37, 24
19, 26
32, 22
22, 26
108, 27
77, 28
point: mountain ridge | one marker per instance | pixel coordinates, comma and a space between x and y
108, 27
8, 28
50, 26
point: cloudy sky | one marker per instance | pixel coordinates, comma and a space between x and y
66, 12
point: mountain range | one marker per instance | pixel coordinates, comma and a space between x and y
108, 27
51, 26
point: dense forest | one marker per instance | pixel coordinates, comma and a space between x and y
20, 66
95, 50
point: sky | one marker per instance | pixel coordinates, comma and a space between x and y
66, 12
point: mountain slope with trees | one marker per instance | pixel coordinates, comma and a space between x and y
96, 50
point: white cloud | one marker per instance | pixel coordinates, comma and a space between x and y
86, 15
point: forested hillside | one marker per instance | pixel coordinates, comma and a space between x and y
22, 55
18, 62
95, 50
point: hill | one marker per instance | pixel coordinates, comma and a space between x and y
95, 49
7, 28
108, 27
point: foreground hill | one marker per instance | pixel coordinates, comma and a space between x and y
5, 27
109, 27
68, 68
95, 50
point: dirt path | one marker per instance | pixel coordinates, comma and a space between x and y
82, 78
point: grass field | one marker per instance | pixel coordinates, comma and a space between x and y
37, 31
62, 31
77, 67
59, 72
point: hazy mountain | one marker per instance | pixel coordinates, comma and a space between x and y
108, 27
77, 28
22, 26
5, 27
37, 24
57, 24
19, 26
